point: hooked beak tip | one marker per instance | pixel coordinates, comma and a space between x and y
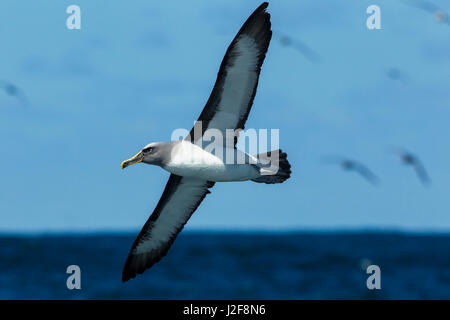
136, 159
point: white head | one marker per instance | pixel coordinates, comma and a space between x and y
157, 153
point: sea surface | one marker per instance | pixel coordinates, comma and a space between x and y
212, 265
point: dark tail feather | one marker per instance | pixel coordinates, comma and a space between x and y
281, 170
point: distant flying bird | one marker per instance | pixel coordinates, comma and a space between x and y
439, 14
193, 169
397, 74
14, 91
352, 165
412, 160
300, 46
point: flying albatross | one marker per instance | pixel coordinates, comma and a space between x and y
14, 91
299, 46
439, 14
193, 169
352, 165
412, 160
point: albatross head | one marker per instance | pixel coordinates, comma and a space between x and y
153, 153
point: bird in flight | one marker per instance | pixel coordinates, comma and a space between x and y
412, 160
397, 74
14, 91
352, 165
439, 14
193, 169
299, 46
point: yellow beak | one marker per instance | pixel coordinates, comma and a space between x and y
136, 159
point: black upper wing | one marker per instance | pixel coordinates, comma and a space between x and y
235, 88
227, 108
180, 199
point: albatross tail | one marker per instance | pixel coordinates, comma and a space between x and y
274, 167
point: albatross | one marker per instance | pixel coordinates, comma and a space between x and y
352, 165
412, 160
14, 91
193, 169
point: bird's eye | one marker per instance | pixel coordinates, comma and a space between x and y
147, 150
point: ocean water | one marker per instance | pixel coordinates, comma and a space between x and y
231, 266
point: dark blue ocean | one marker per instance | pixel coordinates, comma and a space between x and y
231, 266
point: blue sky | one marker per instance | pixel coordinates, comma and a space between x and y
134, 73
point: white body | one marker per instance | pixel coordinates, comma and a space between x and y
190, 160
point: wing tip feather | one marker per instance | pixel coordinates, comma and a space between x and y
138, 263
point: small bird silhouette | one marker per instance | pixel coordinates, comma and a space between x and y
352, 165
439, 14
14, 91
397, 75
299, 46
412, 160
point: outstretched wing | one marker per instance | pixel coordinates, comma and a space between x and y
348, 164
227, 108
430, 7
366, 173
421, 172
427, 6
235, 88
14, 91
301, 47
180, 199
